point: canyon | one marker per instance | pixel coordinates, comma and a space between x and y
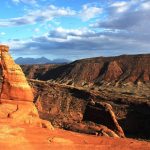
122, 81
99, 70
102, 117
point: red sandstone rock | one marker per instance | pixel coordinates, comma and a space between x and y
113, 71
125, 68
102, 113
16, 95
117, 127
14, 85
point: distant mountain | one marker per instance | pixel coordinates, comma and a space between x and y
42, 60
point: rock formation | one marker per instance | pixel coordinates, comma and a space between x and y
113, 72
17, 112
122, 69
15, 86
102, 113
70, 108
16, 98
64, 104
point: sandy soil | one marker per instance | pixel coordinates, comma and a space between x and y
35, 138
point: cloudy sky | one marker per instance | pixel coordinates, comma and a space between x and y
75, 29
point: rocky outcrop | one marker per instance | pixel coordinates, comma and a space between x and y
16, 95
102, 113
113, 72
15, 86
37, 71
65, 105
98, 119
91, 128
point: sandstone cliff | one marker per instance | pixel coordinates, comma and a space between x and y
16, 97
120, 69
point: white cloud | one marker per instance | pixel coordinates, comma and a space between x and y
37, 30
2, 33
146, 5
40, 15
134, 19
62, 33
121, 6
89, 12
25, 1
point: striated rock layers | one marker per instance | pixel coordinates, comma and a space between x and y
16, 95
99, 70
15, 86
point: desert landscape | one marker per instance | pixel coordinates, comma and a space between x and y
74, 96
72, 114
75, 75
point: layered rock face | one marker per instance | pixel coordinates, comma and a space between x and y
120, 69
37, 71
16, 95
69, 108
15, 86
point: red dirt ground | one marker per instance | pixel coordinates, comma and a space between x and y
26, 137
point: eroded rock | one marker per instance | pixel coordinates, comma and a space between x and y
16, 95
15, 86
102, 113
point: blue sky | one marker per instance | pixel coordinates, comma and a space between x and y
75, 29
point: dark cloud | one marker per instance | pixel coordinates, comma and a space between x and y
83, 45
130, 21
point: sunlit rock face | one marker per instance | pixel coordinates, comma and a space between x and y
15, 86
16, 95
